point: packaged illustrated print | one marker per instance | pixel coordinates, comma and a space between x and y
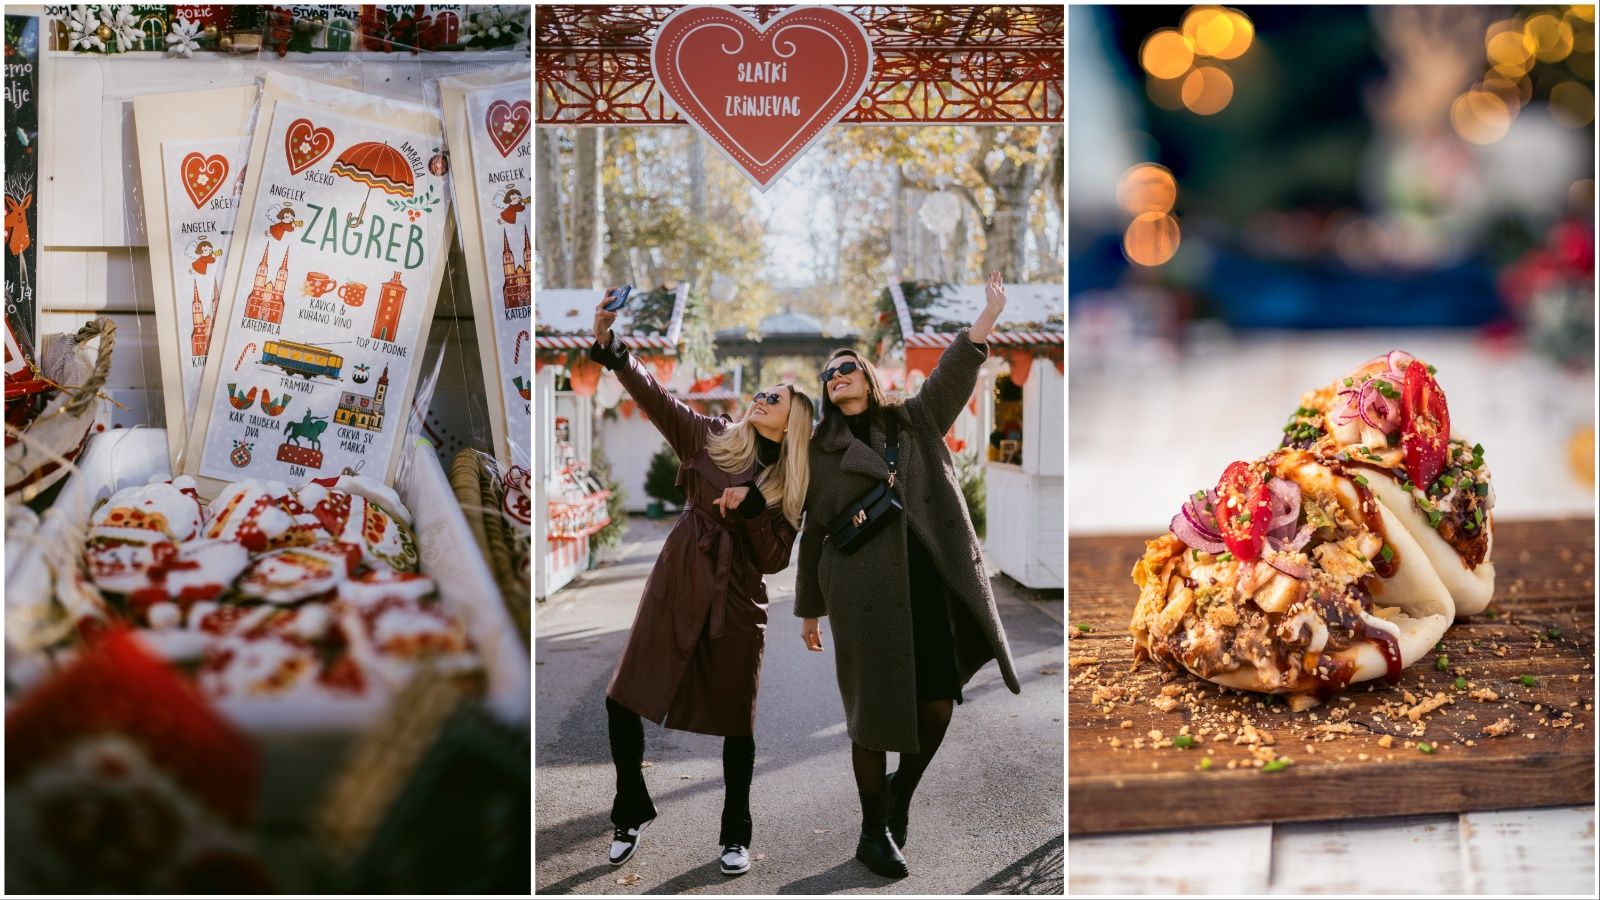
330, 286
192, 148
489, 117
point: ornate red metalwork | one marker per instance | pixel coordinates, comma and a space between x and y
934, 64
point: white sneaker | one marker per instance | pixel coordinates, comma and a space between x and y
735, 859
625, 842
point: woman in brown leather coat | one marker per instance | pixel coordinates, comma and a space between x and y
693, 657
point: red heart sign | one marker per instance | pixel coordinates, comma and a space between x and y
762, 94
304, 144
202, 176
508, 124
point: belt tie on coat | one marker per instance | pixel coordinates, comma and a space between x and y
718, 541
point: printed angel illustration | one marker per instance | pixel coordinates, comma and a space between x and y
511, 202
281, 221
201, 253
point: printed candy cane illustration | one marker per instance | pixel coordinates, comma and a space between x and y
516, 355
248, 349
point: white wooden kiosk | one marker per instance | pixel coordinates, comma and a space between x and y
1025, 462
567, 510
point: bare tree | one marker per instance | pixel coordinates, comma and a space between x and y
551, 235
587, 208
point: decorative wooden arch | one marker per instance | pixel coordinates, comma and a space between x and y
935, 65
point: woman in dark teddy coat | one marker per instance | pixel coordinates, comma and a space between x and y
913, 616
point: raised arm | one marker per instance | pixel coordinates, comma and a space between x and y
684, 429
953, 378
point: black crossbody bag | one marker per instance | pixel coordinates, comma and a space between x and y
876, 508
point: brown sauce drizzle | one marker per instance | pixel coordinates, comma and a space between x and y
1371, 516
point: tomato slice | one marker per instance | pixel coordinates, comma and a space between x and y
1424, 426
1243, 511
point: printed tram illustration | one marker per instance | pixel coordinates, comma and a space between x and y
304, 360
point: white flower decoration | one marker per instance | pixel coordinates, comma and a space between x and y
124, 25
81, 26
184, 39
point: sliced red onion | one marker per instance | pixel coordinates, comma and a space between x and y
1292, 569
1190, 536
1299, 540
1398, 360
1284, 503
1198, 522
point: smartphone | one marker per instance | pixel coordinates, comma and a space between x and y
619, 299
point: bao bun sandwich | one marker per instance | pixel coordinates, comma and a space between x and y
1324, 564
1388, 422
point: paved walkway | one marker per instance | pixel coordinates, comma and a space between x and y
987, 818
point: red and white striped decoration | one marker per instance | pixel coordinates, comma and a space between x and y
1004, 338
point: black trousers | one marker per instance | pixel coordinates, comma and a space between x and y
632, 804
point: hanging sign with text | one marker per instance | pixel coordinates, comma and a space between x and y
762, 93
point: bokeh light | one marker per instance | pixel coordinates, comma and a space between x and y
1147, 188
1509, 48
1551, 37
1217, 32
1480, 117
1166, 54
1207, 91
1514, 93
1151, 239
1571, 104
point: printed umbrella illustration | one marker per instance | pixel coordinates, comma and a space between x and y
375, 165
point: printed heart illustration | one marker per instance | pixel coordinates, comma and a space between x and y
202, 176
762, 94
508, 124
304, 144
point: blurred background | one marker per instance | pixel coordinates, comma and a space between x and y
1260, 199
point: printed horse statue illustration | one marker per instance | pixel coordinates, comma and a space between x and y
309, 427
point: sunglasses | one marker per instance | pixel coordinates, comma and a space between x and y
772, 399
845, 368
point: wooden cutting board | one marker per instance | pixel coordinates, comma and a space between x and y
1544, 580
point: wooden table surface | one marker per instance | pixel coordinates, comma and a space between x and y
1541, 625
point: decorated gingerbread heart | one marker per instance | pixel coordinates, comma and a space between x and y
304, 144
167, 510
508, 124
202, 176
299, 573
249, 513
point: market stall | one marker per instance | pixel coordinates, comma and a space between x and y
1015, 420
570, 502
266, 278
631, 441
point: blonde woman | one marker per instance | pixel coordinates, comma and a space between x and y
693, 657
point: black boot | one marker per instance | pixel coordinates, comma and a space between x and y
876, 849
899, 811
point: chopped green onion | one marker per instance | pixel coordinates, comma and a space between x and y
1282, 762
1433, 370
1481, 489
1461, 683
1394, 438
1552, 632
1442, 663
1448, 479
1361, 480
1084, 628
1183, 742
1477, 450
1386, 389
1205, 763
1477, 516
1225, 556
1529, 681
1424, 746
1349, 382
1433, 517
1194, 555
1387, 553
